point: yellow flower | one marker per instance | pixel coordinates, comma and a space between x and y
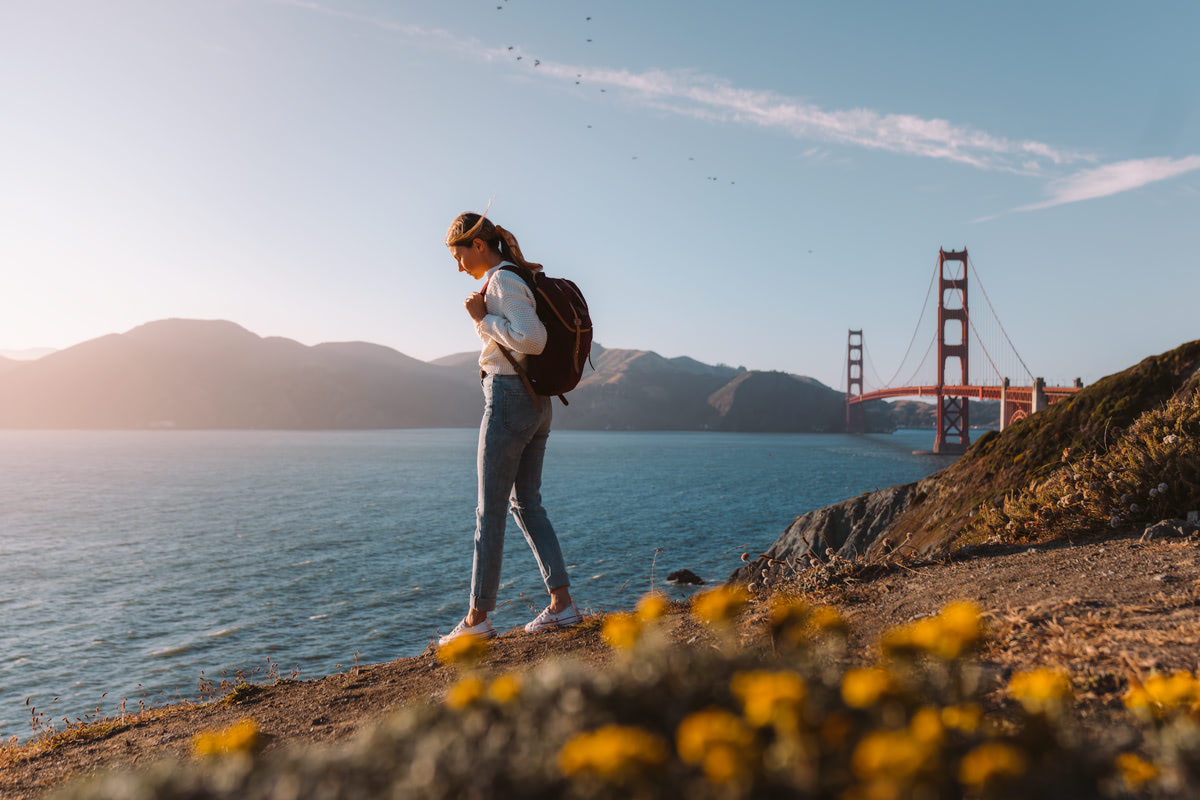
621, 631
828, 619
719, 742
863, 688
962, 621
965, 718
1160, 694
505, 689
651, 607
926, 726
770, 698
241, 737
463, 650
1136, 770
1041, 690
955, 630
895, 755
991, 761
720, 605
612, 751
464, 693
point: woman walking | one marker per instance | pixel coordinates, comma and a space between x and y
512, 436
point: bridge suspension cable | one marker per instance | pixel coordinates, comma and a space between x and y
912, 380
871, 364
998, 320
916, 330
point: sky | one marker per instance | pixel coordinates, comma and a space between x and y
741, 183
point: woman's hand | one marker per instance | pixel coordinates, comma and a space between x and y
476, 306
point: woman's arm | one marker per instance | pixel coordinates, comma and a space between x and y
512, 319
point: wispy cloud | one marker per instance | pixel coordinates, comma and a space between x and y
707, 97
1111, 179
693, 94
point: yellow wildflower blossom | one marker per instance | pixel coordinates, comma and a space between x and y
989, 762
717, 741
1161, 693
464, 693
612, 751
963, 621
770, 698
621, 631
651, 607
863, 688
720, 605
964, 717
463, 650
241, 737
1041, 690
505, 689
926, 726
894, 755
1135, 770
949, 634
828, 619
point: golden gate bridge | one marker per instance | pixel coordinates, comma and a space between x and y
957, 335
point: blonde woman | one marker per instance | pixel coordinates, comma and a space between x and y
512, 436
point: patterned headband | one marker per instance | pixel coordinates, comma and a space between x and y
477, 232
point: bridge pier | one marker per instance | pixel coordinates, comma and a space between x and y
1004, 409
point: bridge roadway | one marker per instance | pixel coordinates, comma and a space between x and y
1015, 394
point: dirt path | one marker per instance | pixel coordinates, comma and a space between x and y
1101, 608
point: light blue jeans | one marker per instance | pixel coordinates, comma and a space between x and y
512, 444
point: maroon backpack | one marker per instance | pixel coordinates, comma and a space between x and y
562, 309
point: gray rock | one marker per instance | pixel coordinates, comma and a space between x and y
847, 528
685, 576
1170, 527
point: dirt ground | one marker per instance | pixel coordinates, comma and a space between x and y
1102, 608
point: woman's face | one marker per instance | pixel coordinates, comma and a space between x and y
471, 258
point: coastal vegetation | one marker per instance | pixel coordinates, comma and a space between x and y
765, 702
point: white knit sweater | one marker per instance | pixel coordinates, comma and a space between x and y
511, 320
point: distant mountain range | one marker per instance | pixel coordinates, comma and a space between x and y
180, 373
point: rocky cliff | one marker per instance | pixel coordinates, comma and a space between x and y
930, 516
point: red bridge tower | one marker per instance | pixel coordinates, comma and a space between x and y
953, 420
856, 415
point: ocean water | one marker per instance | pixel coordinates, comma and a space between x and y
131, 562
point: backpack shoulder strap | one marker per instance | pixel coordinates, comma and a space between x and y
537, 401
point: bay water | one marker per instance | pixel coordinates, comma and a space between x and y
133, 562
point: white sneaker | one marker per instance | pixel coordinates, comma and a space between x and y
563, 619
483, 630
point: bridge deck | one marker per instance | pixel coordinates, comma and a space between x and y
1016, 394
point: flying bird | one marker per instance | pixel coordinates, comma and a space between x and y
537, 62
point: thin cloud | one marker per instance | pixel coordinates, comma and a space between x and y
1110, 179
706, 97
700, 96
